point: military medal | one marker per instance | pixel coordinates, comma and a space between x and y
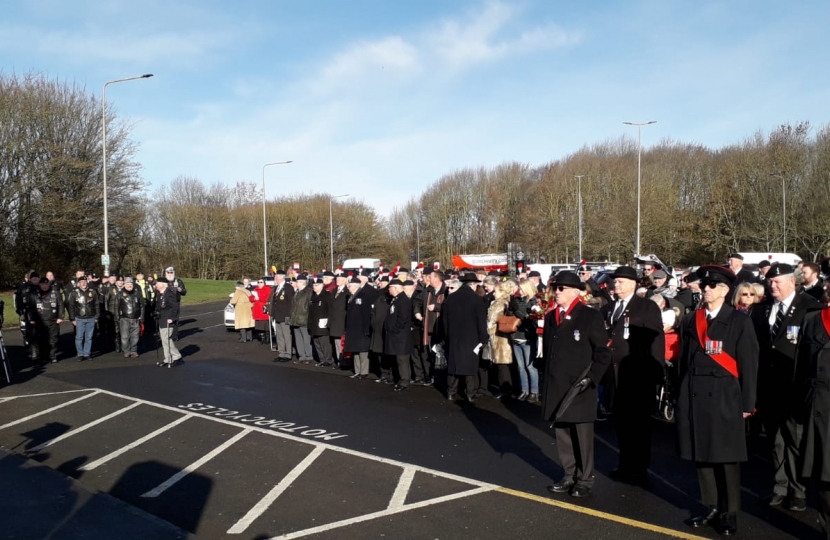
625, 328
714, 347
576, 335
792, 333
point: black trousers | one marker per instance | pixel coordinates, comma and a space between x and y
470, 381
421, 365
720, 486
45, 346
784, 434
322, 347
575, 443
632, 418
403, 371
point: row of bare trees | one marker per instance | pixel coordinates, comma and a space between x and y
698, 203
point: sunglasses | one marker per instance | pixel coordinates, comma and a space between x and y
709, 284
561, 288
747, 294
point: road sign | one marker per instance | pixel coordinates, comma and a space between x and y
105, 260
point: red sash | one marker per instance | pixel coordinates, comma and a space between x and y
825, 320
722, 359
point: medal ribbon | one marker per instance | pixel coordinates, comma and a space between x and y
722, 358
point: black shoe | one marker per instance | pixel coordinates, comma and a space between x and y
775, 499
797, 504
428, 382
709, 518
580, 491
399, 388
81, 358
451, 397
727, 525
561, 487
471, 398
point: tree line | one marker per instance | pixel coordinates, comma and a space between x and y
698, 203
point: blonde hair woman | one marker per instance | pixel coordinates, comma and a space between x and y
500, 344
525, 342
744, 296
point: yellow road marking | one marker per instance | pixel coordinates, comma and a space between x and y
601, 515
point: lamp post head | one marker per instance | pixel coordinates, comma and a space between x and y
146, 75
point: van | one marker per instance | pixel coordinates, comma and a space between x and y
753, 258
354, 265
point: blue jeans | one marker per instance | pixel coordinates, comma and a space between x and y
524, 362
83, 336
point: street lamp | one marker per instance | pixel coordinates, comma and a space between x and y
264, 223
783, 206
331, 227
639, 153
106, 258
579, 205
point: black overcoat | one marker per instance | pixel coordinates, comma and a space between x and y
464, 324
569, 349
380, 309
337, 315
279, 302
318, 313
814, 351
779, 375
638, 361
397, 329
357, 324
711, 402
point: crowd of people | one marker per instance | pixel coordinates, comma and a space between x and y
589, 346
115, 311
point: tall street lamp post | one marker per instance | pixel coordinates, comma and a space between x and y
331, 227
639, 155
783, 207
106, 257
579, 206
264, 222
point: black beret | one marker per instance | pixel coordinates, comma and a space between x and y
43, 280
403, 269
356, 281
366, 272
384, 278
735, 256
328, 273
763, 264
534, 273
301, 277
780, 269
408, 283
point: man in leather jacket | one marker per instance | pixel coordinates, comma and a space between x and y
83, 307
128, 314
44, 314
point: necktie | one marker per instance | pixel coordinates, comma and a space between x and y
617, 311
779, 318
709, 317
561, 316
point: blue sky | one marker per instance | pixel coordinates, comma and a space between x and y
380, 99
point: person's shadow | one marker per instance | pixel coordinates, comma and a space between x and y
504, 437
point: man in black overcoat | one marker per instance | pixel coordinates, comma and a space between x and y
637, 344
718, 373
358, 328
778, 321
379, 362
397, 332
575, 355
736, 264
337, 317
814, 352
464, 326
278, 305
427, 308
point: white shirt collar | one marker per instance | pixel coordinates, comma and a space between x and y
713, 314
788, 301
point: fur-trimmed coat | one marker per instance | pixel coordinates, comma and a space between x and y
500, 347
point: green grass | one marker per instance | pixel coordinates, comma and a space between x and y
199, 291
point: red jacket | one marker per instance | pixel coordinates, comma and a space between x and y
257, 309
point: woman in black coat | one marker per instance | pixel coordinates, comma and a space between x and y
718, 372
318, 322
380, 310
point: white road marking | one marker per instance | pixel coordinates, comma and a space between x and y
382, 513
265, 503
214, 326
51, 409
185, 315
402, 490
109, 457
9, 398
83, 428
161, 488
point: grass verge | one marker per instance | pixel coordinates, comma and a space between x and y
199, 291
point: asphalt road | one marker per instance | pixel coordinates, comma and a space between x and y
233, 445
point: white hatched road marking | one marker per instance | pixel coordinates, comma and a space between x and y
265, 503
83, 428
405, 482
9, 398
51, 409
396, 504
123, 450
161, 488
382, 513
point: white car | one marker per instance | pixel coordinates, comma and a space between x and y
230, 316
